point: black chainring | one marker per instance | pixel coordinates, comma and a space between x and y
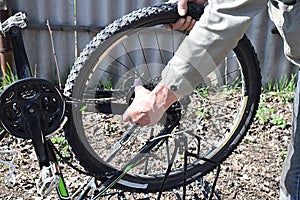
32, 92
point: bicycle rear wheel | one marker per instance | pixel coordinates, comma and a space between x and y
215, 117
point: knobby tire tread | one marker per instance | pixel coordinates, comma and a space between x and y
166, 13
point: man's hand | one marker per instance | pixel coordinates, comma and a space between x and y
182, 5
187, 23
141, 111
149, 106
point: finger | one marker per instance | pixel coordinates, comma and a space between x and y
179, 24
132, 115
168, 26
191, 26
126, 116
187, 23
142, 120
182, 7
137, 82
140, 90
138, 86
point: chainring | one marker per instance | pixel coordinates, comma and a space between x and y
19, 96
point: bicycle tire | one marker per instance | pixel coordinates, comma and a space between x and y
84, 68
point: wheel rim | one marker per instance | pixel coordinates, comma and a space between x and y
212, 102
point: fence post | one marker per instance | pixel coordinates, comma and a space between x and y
5, 47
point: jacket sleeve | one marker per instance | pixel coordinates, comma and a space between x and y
218, 31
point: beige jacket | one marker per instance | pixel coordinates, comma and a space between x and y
222, 25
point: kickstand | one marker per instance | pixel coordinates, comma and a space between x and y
171, 162
206, 187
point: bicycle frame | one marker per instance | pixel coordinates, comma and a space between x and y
21, 61
44, 148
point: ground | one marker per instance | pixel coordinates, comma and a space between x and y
251, 172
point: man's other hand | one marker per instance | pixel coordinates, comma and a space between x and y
185, 23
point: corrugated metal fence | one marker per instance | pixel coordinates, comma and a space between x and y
86, 17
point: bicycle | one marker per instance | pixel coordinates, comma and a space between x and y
196, 134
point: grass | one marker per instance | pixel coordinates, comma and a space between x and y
283, 89
8, 79
63, 146
279, 91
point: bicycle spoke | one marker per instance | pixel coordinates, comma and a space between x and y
123, 141
209, 117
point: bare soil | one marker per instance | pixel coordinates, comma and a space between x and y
251, 172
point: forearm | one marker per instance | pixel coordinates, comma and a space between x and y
221, 26
164, 97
